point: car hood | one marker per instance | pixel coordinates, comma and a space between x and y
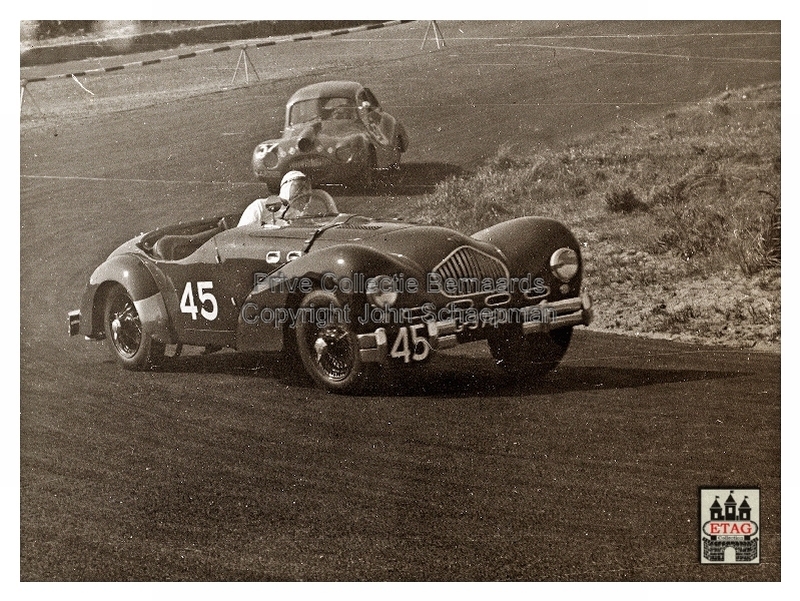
418, 247
414, 247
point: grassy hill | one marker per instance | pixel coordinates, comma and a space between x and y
679, 216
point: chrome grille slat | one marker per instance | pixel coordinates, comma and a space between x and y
458, 264
472, 263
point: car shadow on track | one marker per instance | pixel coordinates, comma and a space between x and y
478, 380
450, 377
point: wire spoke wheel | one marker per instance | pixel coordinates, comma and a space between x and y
333, 351
328, 345
130, 345
125, 326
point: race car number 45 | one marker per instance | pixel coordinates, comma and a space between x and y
411, 344
206, 300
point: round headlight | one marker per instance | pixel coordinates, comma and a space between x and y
381, 291
344, 154
265, 154
270, 160
564, 264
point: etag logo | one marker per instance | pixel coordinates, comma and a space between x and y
729, 525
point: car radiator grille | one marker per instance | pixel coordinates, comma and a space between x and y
467, 263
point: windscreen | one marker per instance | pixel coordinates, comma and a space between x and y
336, 108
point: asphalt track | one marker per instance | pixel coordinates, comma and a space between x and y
225, 467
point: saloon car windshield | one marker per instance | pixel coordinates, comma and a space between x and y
304, 111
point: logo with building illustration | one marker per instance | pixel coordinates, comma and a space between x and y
729, 525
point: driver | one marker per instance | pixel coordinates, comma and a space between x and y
293, 196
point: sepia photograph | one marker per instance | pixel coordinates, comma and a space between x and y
432, 301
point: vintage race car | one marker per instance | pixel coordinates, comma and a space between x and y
343, 293
335, 132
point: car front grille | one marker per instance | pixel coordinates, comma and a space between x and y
469, 267
309, 163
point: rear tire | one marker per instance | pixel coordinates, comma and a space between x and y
328, 347
530, 356
129, 345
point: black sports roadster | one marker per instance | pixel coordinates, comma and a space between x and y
342, 292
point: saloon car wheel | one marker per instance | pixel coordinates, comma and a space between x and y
532, 355
398, 152
129, 345
366, 178
328, 346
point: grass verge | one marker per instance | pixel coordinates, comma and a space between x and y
679, 216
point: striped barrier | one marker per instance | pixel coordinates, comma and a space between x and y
250, 44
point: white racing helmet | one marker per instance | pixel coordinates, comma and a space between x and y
294, 185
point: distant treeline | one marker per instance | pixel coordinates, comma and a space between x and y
43, 30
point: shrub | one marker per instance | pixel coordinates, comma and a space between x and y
623, 201
52, 29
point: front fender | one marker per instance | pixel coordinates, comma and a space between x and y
130, 272
308, 136
528, 243
341, 269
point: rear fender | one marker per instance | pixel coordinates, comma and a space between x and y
131, 273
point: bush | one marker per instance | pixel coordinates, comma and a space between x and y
52, 29
623, 201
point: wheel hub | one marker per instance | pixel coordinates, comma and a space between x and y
333, 352
126, 330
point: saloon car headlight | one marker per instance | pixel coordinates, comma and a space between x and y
381, 291
266, 155
349, 149
345, 153
564, 264
270, 160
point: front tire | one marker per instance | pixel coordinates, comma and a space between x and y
328, 345
530, 356
366, 177
398, 154
129, 345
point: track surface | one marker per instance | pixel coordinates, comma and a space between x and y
226, 468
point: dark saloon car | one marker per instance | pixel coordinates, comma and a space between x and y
336, 132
